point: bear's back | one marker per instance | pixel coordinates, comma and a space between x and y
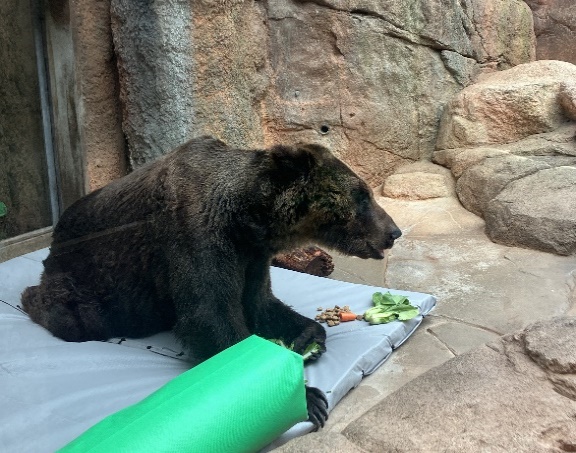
200, 170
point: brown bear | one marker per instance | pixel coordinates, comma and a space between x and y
186, 242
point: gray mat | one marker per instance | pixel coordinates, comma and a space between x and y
52, 391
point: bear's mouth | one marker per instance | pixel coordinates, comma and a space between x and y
377, 252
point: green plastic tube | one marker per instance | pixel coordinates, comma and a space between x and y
238, 401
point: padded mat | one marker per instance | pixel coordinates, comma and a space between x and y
52, 391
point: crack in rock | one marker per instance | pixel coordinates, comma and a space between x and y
565, 386
396, 30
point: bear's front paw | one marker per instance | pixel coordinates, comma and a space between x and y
313, 333
317, 405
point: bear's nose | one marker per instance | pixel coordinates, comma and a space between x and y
396, 234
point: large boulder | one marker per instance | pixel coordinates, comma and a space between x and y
525, 191
481, 183
516, 394
507, 106
510, 143
536, 211
419, 181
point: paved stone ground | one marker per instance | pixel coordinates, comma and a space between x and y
484, 291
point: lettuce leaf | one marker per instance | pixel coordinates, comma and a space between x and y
390, 307
312, 348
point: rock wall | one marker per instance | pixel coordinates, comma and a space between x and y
555, 27
152, 42
98, 88
367, 78
230, 74
86, 118
370, 79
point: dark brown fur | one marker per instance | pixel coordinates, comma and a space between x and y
186, 243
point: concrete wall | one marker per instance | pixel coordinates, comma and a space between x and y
23, 173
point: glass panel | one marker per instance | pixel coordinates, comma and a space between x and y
23, 173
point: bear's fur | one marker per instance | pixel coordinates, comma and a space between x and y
186, 243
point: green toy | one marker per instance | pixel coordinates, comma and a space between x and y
238, 401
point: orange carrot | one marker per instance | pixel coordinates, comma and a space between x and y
347, 316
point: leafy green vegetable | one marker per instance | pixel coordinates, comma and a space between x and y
3, 209
312, 348
390, 307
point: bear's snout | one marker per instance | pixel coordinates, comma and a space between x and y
389, 231
396, 233
391, 236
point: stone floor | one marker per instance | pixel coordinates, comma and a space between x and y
484, 291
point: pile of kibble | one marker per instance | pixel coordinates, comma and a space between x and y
331, 316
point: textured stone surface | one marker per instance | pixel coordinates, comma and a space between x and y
419, 181
416, 186
230, 73
349, 98
481, 183
460, 159
561, 142
458, 337
506, 106
522, 183
152, 41
369, 79
494, 398
381, 60
552, 345
536, 211
320, 443
567, 99
484, 290
444, 251
102, 135
555, 27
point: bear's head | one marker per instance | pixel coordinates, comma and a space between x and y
325, 202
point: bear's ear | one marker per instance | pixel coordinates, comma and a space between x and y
319, 152
292, 162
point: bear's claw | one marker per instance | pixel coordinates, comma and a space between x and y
317, 407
